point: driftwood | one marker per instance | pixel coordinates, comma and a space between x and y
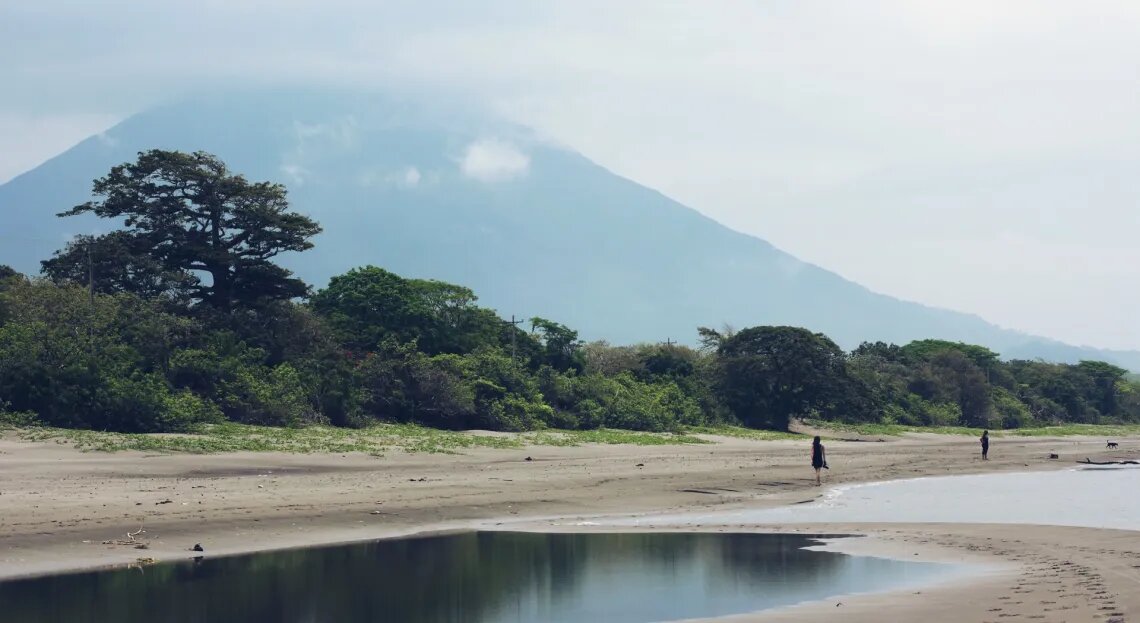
1092, 462
130, 540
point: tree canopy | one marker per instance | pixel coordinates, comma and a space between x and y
190, 225
770, 375
190, 322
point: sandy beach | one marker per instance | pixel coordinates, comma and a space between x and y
61, 509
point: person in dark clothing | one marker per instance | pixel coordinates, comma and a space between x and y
818, 458
985, 445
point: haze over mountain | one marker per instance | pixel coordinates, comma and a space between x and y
533, 228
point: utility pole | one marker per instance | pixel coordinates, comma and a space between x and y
669, 342
513, 323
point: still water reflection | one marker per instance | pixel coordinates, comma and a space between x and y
484, 577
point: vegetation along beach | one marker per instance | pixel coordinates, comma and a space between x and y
170, 384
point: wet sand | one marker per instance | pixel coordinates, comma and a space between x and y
61, 509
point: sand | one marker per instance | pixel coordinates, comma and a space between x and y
61, 509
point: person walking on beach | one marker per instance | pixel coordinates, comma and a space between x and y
985, 445
818, 458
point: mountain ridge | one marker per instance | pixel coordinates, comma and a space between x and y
533, 228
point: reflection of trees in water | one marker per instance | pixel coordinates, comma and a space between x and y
775, 557
455, 577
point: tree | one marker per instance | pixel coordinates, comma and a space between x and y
1106, 378
711, 339
7, 272
367, 305
768, 375
668, 361
96, 364
879, 350
560, 344
117, 262
214, 231
971, 391
925, 350
600, 357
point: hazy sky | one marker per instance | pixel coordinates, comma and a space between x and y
977, 155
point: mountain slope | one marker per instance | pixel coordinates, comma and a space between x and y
533, 228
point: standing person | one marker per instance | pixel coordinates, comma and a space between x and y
818, 458
985, 445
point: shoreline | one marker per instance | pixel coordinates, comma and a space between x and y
58, 505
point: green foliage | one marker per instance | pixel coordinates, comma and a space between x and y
190, 327
1011, 412
188, 215
769, 375
118, 262
366, 306
273, 396
560, 345
926, 350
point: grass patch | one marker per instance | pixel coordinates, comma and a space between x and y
232, 437
891, 430
1066, 430
609, 436
741, 432
381, 438
374, 440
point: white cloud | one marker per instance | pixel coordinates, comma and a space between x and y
493, 160
294, 173
339, 133
887, 139
412, 177
406, 178
28, 139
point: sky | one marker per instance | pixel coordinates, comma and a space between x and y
975, 155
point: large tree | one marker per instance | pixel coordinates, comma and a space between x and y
369, 304
768, 375
192, 224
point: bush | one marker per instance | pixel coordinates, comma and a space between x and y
1011, 412
19, 419
940, 414
273, 398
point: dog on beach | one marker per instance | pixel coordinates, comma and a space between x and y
1112, 444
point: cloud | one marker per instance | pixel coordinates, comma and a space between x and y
493, 160
294, 173
339, 133
411, 177
842, 132
380, 177
27, 139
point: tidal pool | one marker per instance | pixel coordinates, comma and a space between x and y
1090, 497
480, 577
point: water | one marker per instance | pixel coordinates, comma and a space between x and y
484, 577
1092, 497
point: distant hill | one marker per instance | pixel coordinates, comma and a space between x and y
534, 229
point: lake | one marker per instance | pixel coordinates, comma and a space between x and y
478, 577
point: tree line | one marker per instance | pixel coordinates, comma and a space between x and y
181, 316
